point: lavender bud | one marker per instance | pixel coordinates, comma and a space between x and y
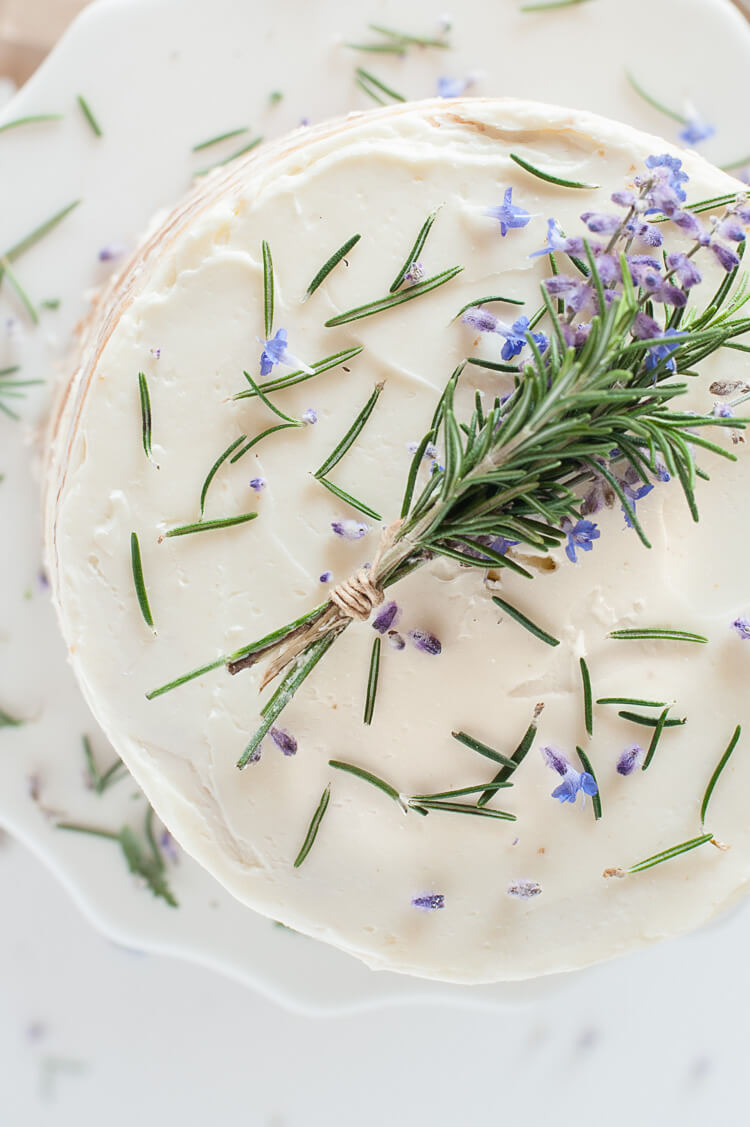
350, 529
524, 889
284, 741
630, 759
429, 902
386, 617
396, 640
555, 759
426, 642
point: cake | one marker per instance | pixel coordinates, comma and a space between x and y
175, 542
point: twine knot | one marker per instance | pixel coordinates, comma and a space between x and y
358, 596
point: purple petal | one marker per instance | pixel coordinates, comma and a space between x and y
386, 617
426, 642
284, 741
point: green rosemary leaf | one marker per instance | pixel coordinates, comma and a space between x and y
113, 774
484, 749
221, 137
7, 411
651, 721
138, 580
537, 631
632, 700
668, 635
149, 867
360, 506
210, 525
301, 375
375, 87
415, 251
258, 438
145, 414
407, 39
30, 240
465, 808
275, 97
332, 262
8, 721
93, 831
4, 372
351, 435
588, 710
484, 301
549, 176
6, 269
411, 480
668, 854
652, 101
492, 366
100, 782
481, 787
32, 119
660, 725
596, 799
516, 758
383, 303
268, 292
735, 164
368, 777
372, 680
50, 303
260, 393
717, 771
216, 467
232, 156
299, 671
86, 110
549, 5
312, 830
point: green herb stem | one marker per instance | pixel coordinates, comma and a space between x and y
210, 525
372, 680
516, 758
484, 749
216, 467
268, 290
31, 119
394, 299
145, 398
331, 264
351, 435
549, 177
660, 725
651, 721
368, 777
596, 799
375, 88
312, 830
668, 854
532, 628
138, 580
415, 251
87, 113
216, 140
588, 710
656, 633
718, 769
301, 375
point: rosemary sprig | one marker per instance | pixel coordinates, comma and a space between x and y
221, 137
368, 777
332, 262
100, 781
652, 101
632, 700
216, 467
138, 580
484, 749
374, 87
312, 830
596, 799
516, 758
660, 725
351, 435
87, 113
415, 251
31, 119
145, 414
549, 176
668, 854
549, 5
588, 708
717, 771
372, 680
651, 721
657, 632
210, 525
486, 301
281, 382
268, 290
232, 156
398, 298
532, 628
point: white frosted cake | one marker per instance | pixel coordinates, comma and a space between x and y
193, 509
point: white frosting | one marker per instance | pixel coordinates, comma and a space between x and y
195, 293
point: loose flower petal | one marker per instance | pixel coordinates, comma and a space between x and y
426, 642
524, 889
429, 901
509, 214
630, 759
258, 484
350, 529
580, 535
285, 741
386, 617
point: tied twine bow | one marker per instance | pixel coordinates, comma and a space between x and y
353, 600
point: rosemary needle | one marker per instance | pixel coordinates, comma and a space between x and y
717, 771
86, 110
596, 800
351, 435
145, 413
375, 87
138, 580
632, 700
394, 299
368, 777
484, 749
268, 290
32, 119
232, 156
650, 721
30, 240
332, 262
372, 680
516, 758
550, 5
549, 176
588, 711
646, 633
668, 854
299, 376
660, 724
415, 251
314, 826
485, 301
537, 631
216, 467
652, 101
210, 525
6, 269
221, 137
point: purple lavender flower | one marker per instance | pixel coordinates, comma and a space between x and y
415, 273
601, 223
575, 292
156, 353
429, 901
695, 131
453, 87
576, 335
664, 351
725, 256
742, 626
500, 544
326, 577
481, 320
350, 529
395, 640
580, 535
426, 642
630, 759
524, 889
258, 484
633, 486
111, 252
670, 172
692, 226
168, 846
509, 214
722, 411
574, 782
310, 416
284, 741
647, 232
557, 241
274, 352
687, 272
515, 338
624, 197
386, 617
730, 227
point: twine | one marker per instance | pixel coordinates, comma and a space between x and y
358, 596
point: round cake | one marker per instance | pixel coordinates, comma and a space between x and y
487, 750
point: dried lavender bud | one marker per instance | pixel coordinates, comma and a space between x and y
284, 741
426, 642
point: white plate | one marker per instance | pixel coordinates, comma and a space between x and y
161, 75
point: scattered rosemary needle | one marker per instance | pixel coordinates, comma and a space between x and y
351, 435
394, 299
32, 119
368, 777
86, 110
221, 137
375, 87
646, 633
632, 700
651, 721
268, 289
550, 5
138, 580
216, 467
484, 749
652, 101
668, 854
100, 781
145, 413
210, 525
735, 164
549, 176
660, 725
486, 301
8, 721
516, 758
232, 156
717, 771
596, 799
537, 631
588, 710
299, 376
460, 792
463, 808
415, 251
396, 42
243, 450
372, 680
30, 240
146, 863
312, 831
7, 270
332, 262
